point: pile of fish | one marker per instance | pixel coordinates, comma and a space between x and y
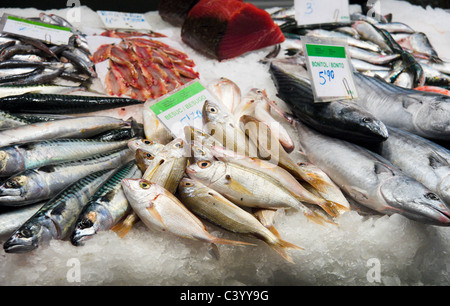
393, 51
143, 68
30, 65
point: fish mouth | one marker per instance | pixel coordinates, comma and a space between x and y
80, 236
12, 246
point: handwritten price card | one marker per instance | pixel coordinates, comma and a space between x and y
308, 12
330, 72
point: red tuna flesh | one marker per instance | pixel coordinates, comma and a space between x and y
225, 29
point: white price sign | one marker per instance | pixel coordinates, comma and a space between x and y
125, 21
330, 72
48, 33
182, 108
308, 12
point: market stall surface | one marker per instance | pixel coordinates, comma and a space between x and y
363, 249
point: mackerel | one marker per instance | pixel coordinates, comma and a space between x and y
34, 185
18, 158
106, 207
56, 219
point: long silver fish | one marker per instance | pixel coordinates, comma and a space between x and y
55, 220
77, 127
421, 159
11, 220
42, 183
211, 205
18, 158
420, 113
371, 180
106, 207
369, 32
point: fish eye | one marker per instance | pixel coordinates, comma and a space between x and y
204, 164
148, 142
259, 91
25, 233
187, 184
179, 144
85, 223
13, 183
366, 120
200, 151
212, 109
431, 196
144, 185
302, 164
149, 156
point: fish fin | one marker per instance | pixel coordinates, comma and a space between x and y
218, 240
123, 227
237, 186
214, 251
155, 214
437, 161
317, 218
281, 247
380, 168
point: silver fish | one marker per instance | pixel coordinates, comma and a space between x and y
11, 220
106, 207
55, 220
421, 159
421, 113
371, 57
18, 158
77, 127
42, 183
371, 180
226, 92
369, 32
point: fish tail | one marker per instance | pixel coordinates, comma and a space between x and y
334, 209
281, 247
317, 218
123, 227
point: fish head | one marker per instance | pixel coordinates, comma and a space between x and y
410, 198
90, 223
444, 189
175, 149
187, 187
18, 188
360, 121
200, 151
145, 144
27, 238
140, 192
206, 171
433, 117
11, 161
144, 159
213, 113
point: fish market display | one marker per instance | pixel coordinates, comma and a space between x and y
143, 68
228, 29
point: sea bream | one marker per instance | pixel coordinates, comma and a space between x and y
371, 180
160, 210
211, 205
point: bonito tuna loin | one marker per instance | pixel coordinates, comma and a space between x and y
227, 29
